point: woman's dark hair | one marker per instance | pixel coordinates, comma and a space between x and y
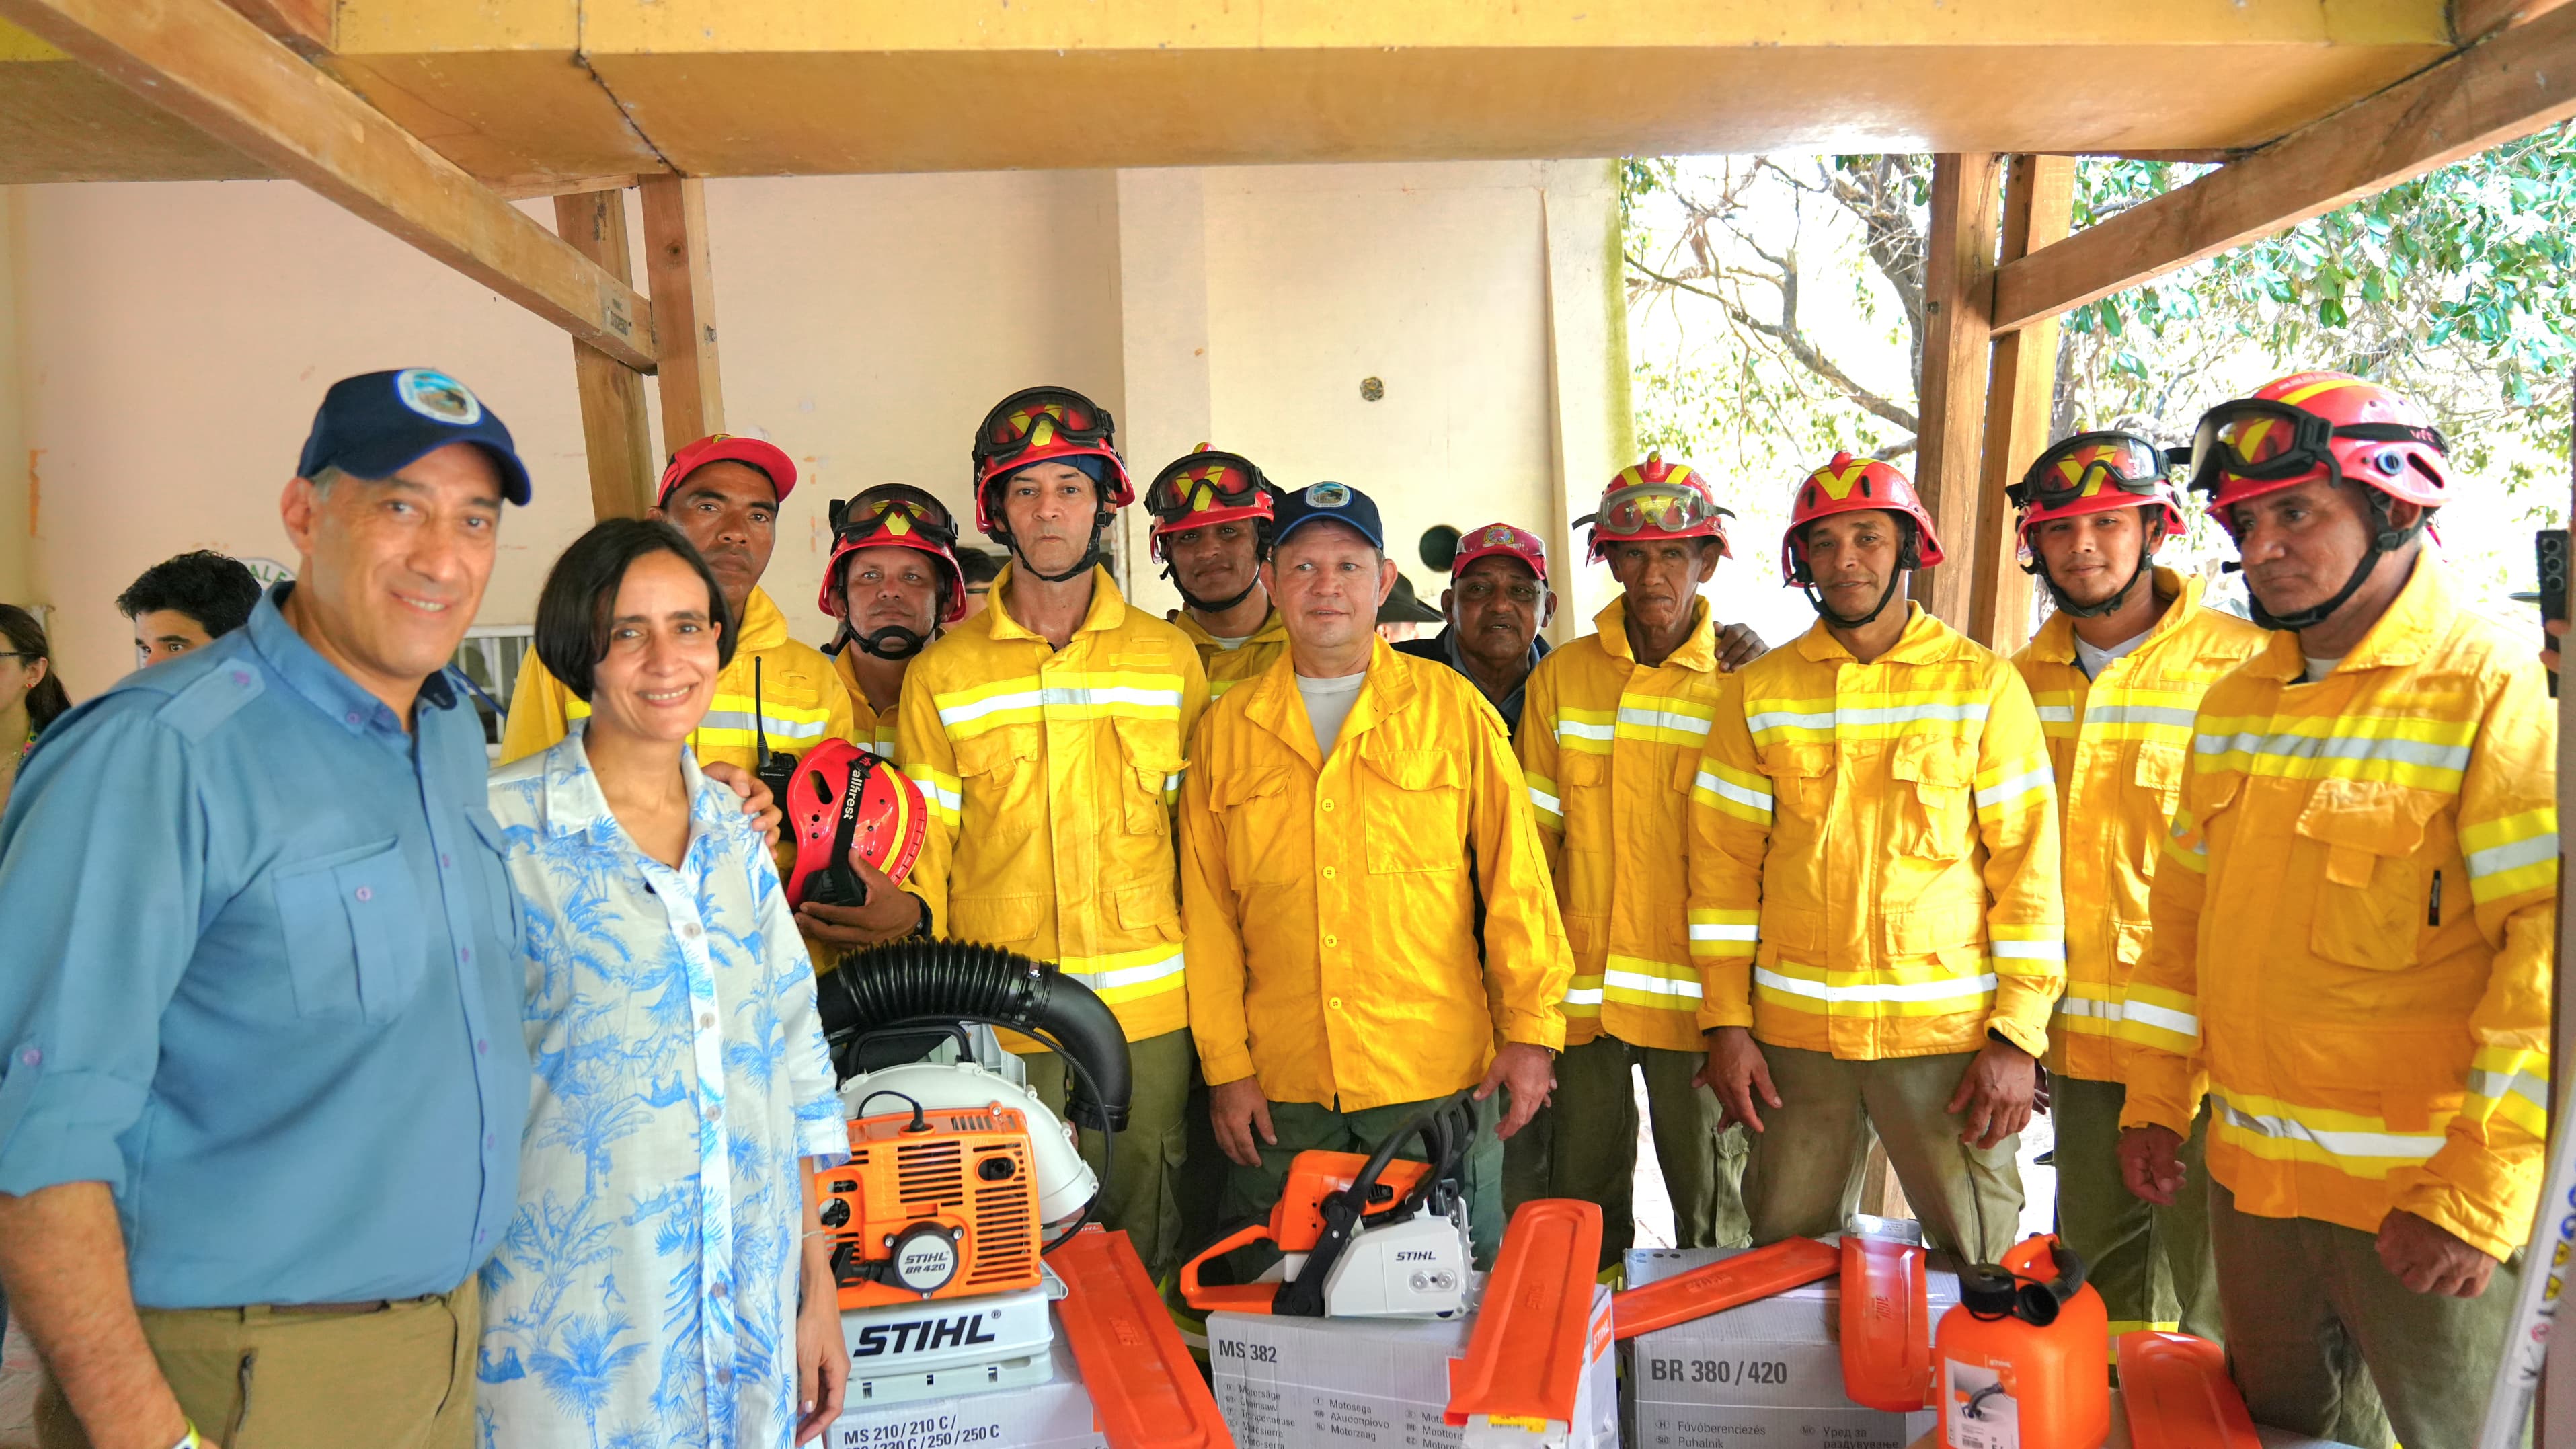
25, 637
216, 591
580, 596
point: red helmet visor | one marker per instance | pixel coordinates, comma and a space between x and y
1208, 480
865, 516
1040, 417
1655, 507
2263, 441
2070, 470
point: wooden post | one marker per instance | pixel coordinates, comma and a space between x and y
1958, 299
684, 307
612, 394
2039, 207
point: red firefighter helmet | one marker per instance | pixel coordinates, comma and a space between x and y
843, 799
1205, 487
1854, 485
1656, 499
2313, 425
2094, 473
895, 515
1041, 425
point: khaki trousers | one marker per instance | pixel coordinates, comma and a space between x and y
1152, 1148
1583, 1144
2325, 1341
397, 1377
1804, 1175
2150, 1264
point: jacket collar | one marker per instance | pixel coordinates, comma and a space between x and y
318, 680
571, 802
1273, 702
1273, 629
2417, 619
2055, 642
763, 626
1108, 607
1925, 641
1697, 652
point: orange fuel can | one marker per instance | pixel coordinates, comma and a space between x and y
2020, 1360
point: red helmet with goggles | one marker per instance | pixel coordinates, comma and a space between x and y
895, 515
2095, 473
1656, 500
1855, 485
2313, 425
1205, 487
1046, 425
843, 800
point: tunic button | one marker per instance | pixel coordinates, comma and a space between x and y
1328, 804
464, 953
443, 861
690, 930
1337, 1003
30, 1057
353, 716
720, 1290
366, 893
1333, 941
481, 1046
707, 1020
1328, 872
715, 1110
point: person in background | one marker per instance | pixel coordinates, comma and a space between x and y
894, 583
1496, 603
1212, 514
1875, 875
1401, 617
31, 693
260, 1102
1616, 721
1048, 734
656, 1273
981, 567
186, 602
2354, 932
2116, 673
1343, 816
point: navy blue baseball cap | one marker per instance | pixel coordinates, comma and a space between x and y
376, 424
1338, 502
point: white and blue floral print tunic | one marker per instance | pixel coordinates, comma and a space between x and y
645, 1295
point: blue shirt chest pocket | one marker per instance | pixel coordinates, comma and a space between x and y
353, 933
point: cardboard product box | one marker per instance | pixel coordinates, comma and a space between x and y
1769, 1372
1052, 1415
2272, 1438
1300, 1383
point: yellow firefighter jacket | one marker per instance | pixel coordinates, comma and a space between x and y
2118, 745
1876, 873
1051, 775
1227, 668
2353, 929
800, 702
1332, 901
874, 732
1611, 748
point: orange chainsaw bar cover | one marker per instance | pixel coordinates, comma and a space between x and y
1887, 1325
2178, 1395
1786, 1264
1145, 1389
1525, 1358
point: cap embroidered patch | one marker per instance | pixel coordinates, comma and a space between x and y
435, 395
1328, 495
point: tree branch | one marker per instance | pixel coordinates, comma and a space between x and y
1796, 343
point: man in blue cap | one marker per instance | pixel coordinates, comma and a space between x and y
264, 1081
1345, 813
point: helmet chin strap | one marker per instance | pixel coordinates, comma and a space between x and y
1094, 555
1209, 606
2385, 538
891, 642
1816, 600
2066, 603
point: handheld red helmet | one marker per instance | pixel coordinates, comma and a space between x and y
1857, 485
843, 799
895, 515
2097, 472
1041, 425
1655, 499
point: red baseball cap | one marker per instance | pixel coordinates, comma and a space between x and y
769, 458
1496, 538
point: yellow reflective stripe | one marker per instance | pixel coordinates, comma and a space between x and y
2185, 845
1543, 799
1658, 985
2512, 1084
2429, 754
1585, 731
2087, 1009
2010, 784
1724, 933
1583, 995
1218, 687
946, 793
1917, 990
1661, 720
2349, 1142
2045, 941
1864, 716
2167, 1021
2511, 856
1740, 793
1123, 976
1113, 694
2056, 712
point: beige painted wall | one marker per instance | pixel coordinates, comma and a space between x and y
174, 338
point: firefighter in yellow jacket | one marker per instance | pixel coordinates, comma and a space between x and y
1612, 728
1212, 519
1345, 814
2116, 672
894, 583
1875, 888
2353, 934
1048, 733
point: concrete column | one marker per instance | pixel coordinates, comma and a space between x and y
1163, 329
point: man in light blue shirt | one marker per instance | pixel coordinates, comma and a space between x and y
264, 1082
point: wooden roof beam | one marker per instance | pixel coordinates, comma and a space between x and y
2513, 83
307, 27
210, 67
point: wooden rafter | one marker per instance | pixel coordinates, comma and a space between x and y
2516, 81
2039, 203
612, 394
684, 307
1958, 281
210, 67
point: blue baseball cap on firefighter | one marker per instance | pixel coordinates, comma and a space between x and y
376, 424
1338, 502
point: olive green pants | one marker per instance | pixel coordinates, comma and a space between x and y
2325, 1341
400, 1376
2150, 1264
1313, 1127
1137, 1189
1804, 1175
1583, 1144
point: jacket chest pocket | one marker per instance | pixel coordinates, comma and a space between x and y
352, 924
1933, 816
500, 895
1254, 807
1148, 766
2372, 889
1414, 803
1802, 780
997, 767
2158, 775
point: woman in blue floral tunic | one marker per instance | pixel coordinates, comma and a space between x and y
659, 1288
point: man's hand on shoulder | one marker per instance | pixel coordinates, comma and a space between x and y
1738, 645
757, 802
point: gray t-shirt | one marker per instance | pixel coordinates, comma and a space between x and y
1328, 703
2093, 661
2319, 668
